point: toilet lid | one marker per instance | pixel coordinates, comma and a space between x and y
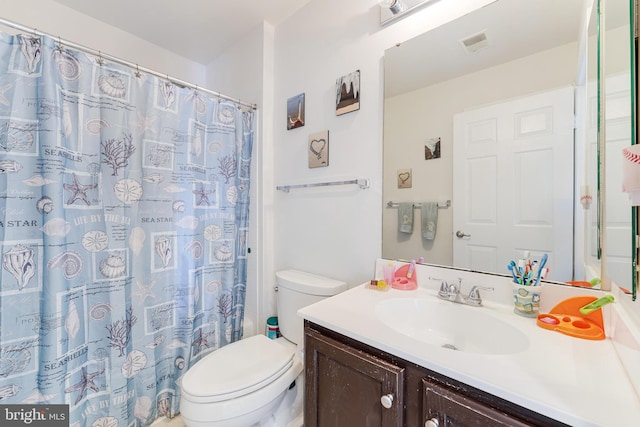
238, 368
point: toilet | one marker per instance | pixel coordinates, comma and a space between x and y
242, 384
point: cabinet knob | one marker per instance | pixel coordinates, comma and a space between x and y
433, 422
387, 400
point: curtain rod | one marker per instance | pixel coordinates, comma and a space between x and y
111, 58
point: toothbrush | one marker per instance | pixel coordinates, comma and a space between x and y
543, 261
411, 269
597, 304
541, 269
512, 268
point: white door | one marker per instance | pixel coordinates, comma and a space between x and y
513, 183
618, 217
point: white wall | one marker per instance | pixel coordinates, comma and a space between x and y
428, 112
335, 231
245, 71
60, 21
237, 72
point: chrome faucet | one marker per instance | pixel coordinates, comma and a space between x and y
451, 292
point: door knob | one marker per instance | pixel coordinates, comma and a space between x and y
433, 422
460, 234
387, 400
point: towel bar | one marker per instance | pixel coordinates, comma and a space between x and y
363, 183
442, 205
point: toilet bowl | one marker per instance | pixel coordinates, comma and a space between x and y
240, 384
243, 383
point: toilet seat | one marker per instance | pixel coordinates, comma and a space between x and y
234, 370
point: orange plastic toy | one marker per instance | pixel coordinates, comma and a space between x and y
567, 319
580, 284
402, 282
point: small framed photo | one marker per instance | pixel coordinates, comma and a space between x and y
348, 93
432, 148
295, 111
404, 178
319, 149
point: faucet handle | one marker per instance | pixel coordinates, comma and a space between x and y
444, 289
474, 293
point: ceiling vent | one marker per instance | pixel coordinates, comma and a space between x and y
475, 42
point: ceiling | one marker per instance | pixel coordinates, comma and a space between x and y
200, 30
196, 29
513, 29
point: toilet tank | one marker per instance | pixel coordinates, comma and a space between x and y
297, 289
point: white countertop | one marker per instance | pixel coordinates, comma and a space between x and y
576, 381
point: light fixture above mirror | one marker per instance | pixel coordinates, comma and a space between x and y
395, 6
390, 10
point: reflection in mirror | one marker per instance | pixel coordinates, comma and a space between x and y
617, 135
480, 112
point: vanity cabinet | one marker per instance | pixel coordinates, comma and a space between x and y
444, 406
350, 387
348, 383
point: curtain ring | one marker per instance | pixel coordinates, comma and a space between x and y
138, 75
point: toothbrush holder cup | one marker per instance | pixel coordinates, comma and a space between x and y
526, 299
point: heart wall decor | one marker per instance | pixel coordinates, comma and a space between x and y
319, 149
404, 178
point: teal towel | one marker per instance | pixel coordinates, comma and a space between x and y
405, 217
429, 219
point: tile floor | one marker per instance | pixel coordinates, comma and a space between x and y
166, 422
177, 422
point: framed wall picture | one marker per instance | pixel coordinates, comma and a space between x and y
348, 93
432, 148
319, 149
295, 111
404, 178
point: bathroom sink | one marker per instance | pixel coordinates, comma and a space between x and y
452, 326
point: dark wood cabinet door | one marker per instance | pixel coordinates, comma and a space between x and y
452, 409
344, 386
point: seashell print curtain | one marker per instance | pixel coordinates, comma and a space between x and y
123, 222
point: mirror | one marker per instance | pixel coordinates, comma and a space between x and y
618, 134
438, 86
610, 128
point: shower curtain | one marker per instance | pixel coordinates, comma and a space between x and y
123, 221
